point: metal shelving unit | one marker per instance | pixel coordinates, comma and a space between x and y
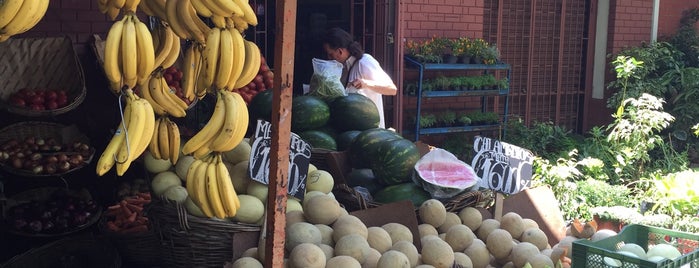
483, 94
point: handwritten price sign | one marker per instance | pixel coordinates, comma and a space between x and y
503, 167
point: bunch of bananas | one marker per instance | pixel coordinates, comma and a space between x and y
112, 8
226, 127
18, 16
167, 46
210, 187
131, 137
185, 22
165, 143
129, 55
163, 99
191, 68
229, 61
221, 12
154, 8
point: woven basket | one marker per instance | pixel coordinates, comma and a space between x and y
190, 241
61, 133
136, 250
40, 64
79, 251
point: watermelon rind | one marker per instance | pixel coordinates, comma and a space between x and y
365, 144
354, 112
308, 112
344, 139
318, 139
404, 191
394, 161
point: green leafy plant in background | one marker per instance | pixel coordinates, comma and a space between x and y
428, 120
686, 38
676, 194
447, 118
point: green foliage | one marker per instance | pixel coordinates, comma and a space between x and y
544, 139
676, 194
428, 120
686, 38
448, 118
464, 120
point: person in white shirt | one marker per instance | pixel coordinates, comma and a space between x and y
362, 73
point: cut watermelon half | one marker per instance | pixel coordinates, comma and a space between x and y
443, 175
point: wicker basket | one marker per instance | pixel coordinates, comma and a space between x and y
40, 64
79, 251
61, 133
190, 241
136, 250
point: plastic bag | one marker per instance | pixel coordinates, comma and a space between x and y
443, 175
325, 82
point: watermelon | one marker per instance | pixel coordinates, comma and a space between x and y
363, 145
328, 130
318, 139
261, 106
344, 139
393, 161
404, 191
354, 112
308, 112
363, 177
443, 175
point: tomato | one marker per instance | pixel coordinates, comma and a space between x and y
37, 99
18, 101
37, 107
51, 95
168, 78
62, 101
61, 92
51, 105
175, 84
178, 75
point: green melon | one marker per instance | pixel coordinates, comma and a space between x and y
344, 139
308, 112
393, 161
404, 191
318, 139
354, 112
365, 143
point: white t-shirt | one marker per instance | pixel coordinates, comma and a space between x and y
368, 68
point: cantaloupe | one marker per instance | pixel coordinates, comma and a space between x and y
301, 232
462, 259
326, 234
353, 245
153, 165
177, 194
192, 208
432, 212
459, 237
499, 243
327, 250
567, 243
294, 217
479, 254
240, 153
162, 181
320, 180
307, 255
635, 249
258, 189
247, 262
471, 217
450, 220
535, 236
398, 232
393, 259
409, 250
251, 209
293, 204
602, 234
322, 209
379, 239
437, 253
424, 266
182, 166
348, 224
426, 229
512, 222
309, 195
487, 226
372, 259
522, 252
529, 223
343, 262
540, 261
239, 175
251, 252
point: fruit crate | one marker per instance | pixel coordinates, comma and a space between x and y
591, 254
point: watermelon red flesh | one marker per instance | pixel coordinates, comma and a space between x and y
365, 143
447, 174
404, 191
308, 112
394, 161
354, 112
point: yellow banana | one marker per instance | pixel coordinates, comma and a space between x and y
191, 63
252, 64
236, 119
248, 13
108, 157
117, 3
157, 89
8, 11
36, 17
146, 52
238, 59
154, 146
213, 190
239, 23
4, 38
202, 9
134, 133
166, 41
187, 15
113, 13
145, 93
173, 132
102, 6
148, 130
129, 56
224, 8
210, 55
219, 21
164, 140
227, 193
174, 52
190, 181
173, 19
112, 50
130, 6
196, 186
158, 7
143, 5
170, 94
225, 60
208, 132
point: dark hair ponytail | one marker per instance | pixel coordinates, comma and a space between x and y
338, 38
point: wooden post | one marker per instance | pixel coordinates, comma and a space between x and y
285, 24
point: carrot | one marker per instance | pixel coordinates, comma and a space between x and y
114, 207
134, 229
144, 195
134, 208
136, 201
112, 227
132, 217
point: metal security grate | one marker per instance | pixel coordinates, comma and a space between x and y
544, 41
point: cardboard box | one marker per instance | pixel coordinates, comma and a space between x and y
402, 212
540, 205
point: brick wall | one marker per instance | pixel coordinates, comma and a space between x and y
630, 23
671, 13
448, 18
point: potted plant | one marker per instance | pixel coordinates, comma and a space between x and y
491, 55
477, 82
503, 83
443, 47
615, 217
489, 81
476, 50
476, 118
491, 118
428, 120
441, 83
425, 52
461, 49
464, 120
447, 118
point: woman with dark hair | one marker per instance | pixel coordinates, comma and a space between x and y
362, 73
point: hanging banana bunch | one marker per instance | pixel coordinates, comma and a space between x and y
112, 8
129, 55
18, 16
229, 61
210, 187
131, 138
165, 143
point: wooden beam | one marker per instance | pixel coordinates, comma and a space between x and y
285, 39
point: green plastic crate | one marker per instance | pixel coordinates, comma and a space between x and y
588, 254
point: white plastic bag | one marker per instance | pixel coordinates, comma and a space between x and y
325, 82
443, 175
